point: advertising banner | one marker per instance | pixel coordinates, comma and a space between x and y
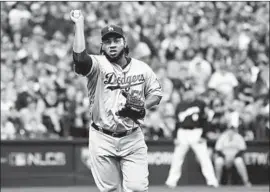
67, 163
23, 163
257, 161
159, 160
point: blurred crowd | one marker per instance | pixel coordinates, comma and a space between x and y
219, 49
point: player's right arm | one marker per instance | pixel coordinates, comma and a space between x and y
82, 61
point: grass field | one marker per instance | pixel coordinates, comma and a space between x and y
151, 189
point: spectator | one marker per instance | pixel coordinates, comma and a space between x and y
160, 122
69, 106
155, 125
8, 130
216, 118
37, 16
262, 119
52, 111
32, 120
244, 88
142, 52
229, 151
81, 114
223, 81
200, 69
261, 85
167, 111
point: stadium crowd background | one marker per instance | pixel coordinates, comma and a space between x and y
219, 49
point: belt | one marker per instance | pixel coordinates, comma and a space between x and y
114, 134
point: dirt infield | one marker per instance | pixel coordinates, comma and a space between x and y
151, 189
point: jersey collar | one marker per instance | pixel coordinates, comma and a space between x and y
126, 67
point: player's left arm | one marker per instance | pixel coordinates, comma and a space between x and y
152, 100
153, 90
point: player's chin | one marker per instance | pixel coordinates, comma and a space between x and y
112, 58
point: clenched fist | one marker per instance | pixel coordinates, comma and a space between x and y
76, 16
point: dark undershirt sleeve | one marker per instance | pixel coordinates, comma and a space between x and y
82, 63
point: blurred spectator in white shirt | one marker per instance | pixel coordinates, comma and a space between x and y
8, 130
8, 96
200, 69
32, 120
173, 69
223, 81
18, 21
17, 15
244, 37
142, 52
153, 124
158, 124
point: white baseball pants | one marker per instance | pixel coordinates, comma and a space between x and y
119, 161
191, 139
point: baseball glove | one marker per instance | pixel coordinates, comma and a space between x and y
134, 107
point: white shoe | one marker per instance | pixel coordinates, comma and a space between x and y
170, 185
214, 185
248, 184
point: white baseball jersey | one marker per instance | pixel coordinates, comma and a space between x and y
106, 81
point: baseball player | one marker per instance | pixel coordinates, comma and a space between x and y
191, 118
229, 150
120, 89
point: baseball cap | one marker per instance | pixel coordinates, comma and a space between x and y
111, 29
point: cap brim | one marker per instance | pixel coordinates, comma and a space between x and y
111, 33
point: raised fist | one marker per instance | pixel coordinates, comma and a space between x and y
76, 16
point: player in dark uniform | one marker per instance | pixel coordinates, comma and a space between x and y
191, 118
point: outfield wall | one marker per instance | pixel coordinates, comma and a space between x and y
65, 162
